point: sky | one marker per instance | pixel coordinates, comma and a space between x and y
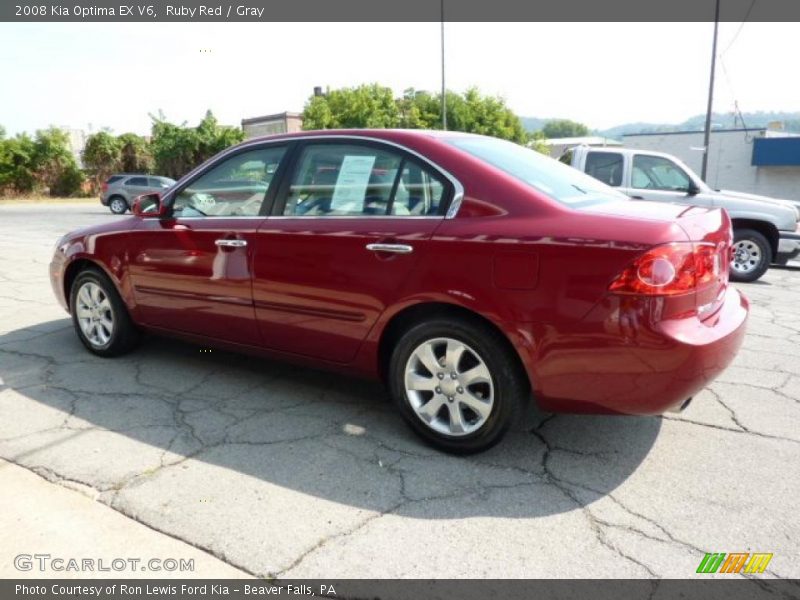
112, 75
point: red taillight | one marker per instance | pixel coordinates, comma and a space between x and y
104, 187
670, 270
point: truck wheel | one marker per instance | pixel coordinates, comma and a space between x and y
752, 255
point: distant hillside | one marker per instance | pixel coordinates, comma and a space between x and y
533, 123
696, 123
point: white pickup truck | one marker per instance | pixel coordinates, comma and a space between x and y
765, 230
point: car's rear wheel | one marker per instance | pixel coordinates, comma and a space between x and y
99, 315
752, 255
118, 205
457, 383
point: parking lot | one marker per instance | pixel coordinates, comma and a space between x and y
284, 471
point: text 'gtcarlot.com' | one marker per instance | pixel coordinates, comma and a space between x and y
46, 562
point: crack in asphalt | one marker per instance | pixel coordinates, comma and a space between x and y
597, 524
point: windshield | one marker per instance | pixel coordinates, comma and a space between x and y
559, 181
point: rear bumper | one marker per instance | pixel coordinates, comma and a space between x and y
621, 362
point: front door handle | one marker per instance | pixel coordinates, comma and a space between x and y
231, 243
393, 248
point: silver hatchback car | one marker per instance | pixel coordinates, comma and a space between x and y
120, 190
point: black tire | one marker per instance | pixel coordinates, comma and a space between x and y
757, 267
510, 384
124, 335
118, 205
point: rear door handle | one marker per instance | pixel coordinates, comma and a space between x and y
231, 243
393, 248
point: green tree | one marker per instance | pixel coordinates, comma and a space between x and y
486, 115
176, 149
17, 174
214, 138
69, 181
419, 110
54, 164
365, 106
560, 128
374, 106
135, 155
102, 156
536, 142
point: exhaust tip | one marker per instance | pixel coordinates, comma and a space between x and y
683, 406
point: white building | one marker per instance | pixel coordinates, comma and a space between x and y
758, 161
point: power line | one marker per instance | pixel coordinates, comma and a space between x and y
741, 26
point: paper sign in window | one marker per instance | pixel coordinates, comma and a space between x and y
352, 182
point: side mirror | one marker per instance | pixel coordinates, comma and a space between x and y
692, 190
149, 206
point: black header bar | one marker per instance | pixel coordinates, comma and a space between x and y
599, 11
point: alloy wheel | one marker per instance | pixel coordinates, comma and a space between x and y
449, 386
118, 206
95, 317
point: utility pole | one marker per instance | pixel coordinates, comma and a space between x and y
444, 92
707, 136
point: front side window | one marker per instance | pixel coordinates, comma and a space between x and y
342, 180
234, 188
605, 167
658, 173
352, 180
558, 181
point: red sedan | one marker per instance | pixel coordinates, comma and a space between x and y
467, 272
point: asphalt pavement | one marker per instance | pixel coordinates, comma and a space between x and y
283, 471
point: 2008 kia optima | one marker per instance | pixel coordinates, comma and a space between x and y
469, 273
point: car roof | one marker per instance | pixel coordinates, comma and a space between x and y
141, 175
382, 134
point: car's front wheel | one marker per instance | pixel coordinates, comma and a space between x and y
118, 205
752, 255
457, 383
99, 315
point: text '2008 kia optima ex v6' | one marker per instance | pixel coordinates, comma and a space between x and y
468, 273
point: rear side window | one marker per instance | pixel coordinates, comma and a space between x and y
355, 180
605, 167
554, 179
418, 193
114, 179
137, 181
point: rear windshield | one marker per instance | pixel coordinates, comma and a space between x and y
558, 181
